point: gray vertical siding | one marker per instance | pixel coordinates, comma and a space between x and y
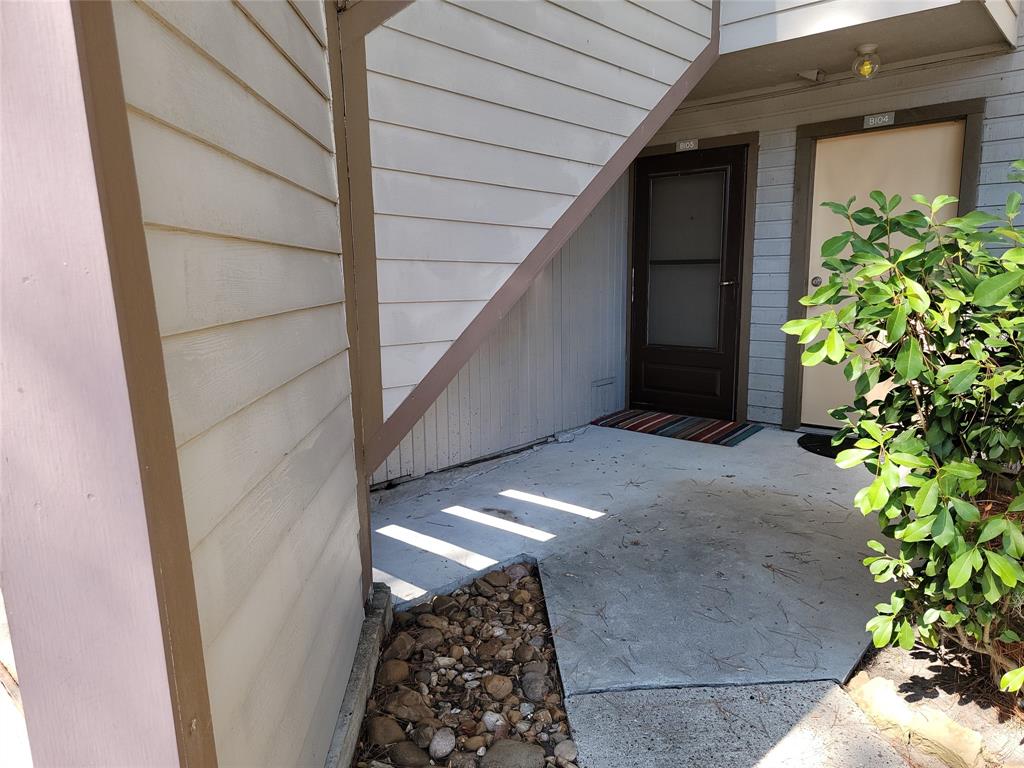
769, 282
556, 361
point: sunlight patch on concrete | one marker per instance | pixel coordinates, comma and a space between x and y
496, 522
466, 557
400, 588
544, 501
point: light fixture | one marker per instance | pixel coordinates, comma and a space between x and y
867, 63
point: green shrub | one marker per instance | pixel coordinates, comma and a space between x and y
928, 321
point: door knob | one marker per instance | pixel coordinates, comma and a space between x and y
816, 281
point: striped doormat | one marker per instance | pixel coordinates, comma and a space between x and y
696, 428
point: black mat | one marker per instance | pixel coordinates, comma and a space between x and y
821, 445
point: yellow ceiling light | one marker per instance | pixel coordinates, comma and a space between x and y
867, 63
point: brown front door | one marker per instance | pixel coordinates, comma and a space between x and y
688, 235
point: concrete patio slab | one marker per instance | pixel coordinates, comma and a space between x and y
811, 725
665, 562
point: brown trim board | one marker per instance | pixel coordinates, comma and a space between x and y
971, 111
750, 140
147, 382
359, 266
356, 187
97, 572
431, 386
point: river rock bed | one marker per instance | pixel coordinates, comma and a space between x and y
469, 680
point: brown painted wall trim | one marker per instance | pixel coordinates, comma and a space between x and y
431, 386
972, 111
352, 112
147, 383
360, 293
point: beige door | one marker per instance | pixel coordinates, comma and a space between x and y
921, 159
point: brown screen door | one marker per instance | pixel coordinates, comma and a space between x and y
688, 234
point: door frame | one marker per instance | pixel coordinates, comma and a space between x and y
750, 141
972, 112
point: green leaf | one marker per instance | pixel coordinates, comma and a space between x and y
940, 202
910, 361
872, 428
1013, 204
961, 376
917, 461
960, 569
918, 530
917, 296
896, 325
1012, 680
993, 290
914, 249
879, 199
962, 469
835, 348
993, 527
880, 628
972, 221
851, 457
1017, 504
1014, 256
906, 638
1013, 540
822, 295
796, 327
1009, 636
943, 529
966, 511
838, 208
990, 587
926, 498
877, 546
1003, 567
805, 327
834, 245
931, 616
813, 355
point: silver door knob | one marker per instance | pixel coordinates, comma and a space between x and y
815, 281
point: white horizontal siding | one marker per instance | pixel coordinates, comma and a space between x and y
462, 29
230, 118
1005, 13
556, 361
224, 32
563, 27
398, 148
407, 238
752, 23
421, 61
487, 120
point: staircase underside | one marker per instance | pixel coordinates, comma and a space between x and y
494, 129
